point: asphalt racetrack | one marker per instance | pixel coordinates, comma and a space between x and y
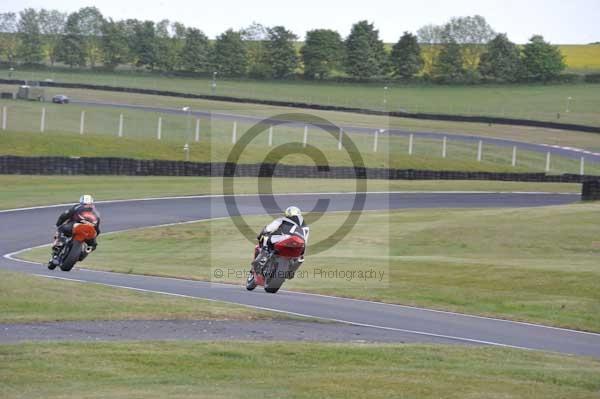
25, 228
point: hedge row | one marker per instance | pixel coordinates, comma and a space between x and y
135, 167
423, 116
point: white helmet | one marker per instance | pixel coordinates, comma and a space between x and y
292, 211
86, 199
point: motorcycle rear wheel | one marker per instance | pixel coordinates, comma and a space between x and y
273, 284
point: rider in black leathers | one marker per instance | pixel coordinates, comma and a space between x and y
83, 212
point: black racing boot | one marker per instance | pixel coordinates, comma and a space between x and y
55, 252
54, 259
261, 260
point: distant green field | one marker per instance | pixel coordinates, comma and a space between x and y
589, 141
581, 58
540, 102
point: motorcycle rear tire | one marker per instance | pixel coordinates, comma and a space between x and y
273, 284
72, 257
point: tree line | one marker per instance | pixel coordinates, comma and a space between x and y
465, 49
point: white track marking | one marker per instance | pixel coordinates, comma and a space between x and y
573, 149
449, 337
11, 256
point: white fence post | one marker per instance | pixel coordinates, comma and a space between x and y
271, 136
548, 161
444, 146
375, 139
410, 144
186, 152
340, 139
479, 150
305, 139
197, 138
121, 125
43, 120
82, 122
234, 133
159, 128
582, 166
4, 115
514, 156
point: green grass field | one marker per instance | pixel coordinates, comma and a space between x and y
294, 370
29, 299
500, 262
62, 138
540, 102
24, 190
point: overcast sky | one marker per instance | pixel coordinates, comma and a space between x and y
561, 22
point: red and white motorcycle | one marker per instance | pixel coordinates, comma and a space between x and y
285, 255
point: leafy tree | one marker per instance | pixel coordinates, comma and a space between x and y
471, 34
178, 41
281, 54
30, 48
195, 52
114, 44
255, 37
52, 26
502, 60
430, 37
230, 57
144, 44
71, 47
365, 54
541, 60
449, 66
9, 40
406, 56
323, 51
167, 51
90, 24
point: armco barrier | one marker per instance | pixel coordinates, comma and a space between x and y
412, 115
134, 167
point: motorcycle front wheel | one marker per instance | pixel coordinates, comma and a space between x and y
250, 282
72, 256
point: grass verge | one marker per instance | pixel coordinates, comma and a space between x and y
532, 264
426, 152
295, 370
27, 299
27, 190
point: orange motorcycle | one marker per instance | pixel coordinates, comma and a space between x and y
74, 248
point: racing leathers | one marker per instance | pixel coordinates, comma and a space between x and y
79, 213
